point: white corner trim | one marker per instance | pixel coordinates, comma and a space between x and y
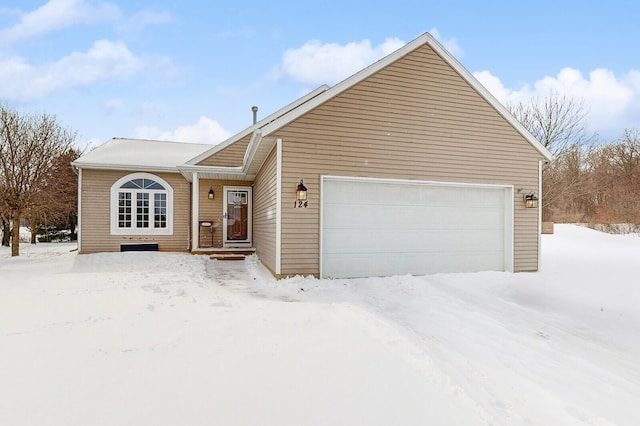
79, 218
195, 214
320, 237
540, 203
278, 206
510, 224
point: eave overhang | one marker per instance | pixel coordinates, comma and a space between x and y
124, 167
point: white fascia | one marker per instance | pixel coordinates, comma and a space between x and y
127, 168
251, 149
497, 105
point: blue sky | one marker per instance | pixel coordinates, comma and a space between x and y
191, 70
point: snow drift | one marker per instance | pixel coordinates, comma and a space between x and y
162, 338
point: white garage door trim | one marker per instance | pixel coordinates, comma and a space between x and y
508, 209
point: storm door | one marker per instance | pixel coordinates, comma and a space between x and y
236, 223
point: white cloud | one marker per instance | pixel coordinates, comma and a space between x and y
105, 61
112, 105
149, 17
205, 130
450, 44
145, 18
151, 110
612, 102
316, 63
57, 14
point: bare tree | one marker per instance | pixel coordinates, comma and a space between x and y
5, 225
558, 122
623, 191
28, 146
58, 204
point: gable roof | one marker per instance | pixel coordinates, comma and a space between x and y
139, 154
356, 78
134, 154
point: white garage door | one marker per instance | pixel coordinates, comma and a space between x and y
373, 227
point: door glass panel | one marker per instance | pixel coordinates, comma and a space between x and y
237, 215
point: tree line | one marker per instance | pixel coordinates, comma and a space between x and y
38, 186
588, 181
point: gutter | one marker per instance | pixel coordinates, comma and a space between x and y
124, 167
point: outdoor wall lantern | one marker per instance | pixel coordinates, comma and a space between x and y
301, 192
210, 195
530, 200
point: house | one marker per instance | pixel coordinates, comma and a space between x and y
408, 166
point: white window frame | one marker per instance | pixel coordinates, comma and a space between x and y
134, 230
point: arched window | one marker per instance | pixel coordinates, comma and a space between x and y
141, 203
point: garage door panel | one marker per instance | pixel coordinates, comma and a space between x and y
384, 241
375, 227
415, 264
426, 217
346, 216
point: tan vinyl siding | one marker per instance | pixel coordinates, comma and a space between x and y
230, 156
211, 210
415, 119
95, 222
264, 212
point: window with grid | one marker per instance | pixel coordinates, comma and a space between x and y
124, 210
143, 205
160, 210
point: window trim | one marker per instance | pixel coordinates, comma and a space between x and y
134, 230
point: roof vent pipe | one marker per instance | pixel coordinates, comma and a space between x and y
255, 114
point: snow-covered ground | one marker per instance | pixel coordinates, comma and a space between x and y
175, 339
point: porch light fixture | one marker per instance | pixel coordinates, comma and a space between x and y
530, 200
210, 195
301, 192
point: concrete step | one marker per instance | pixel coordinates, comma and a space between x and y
230, 253
227, 256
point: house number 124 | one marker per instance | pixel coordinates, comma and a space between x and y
299, 204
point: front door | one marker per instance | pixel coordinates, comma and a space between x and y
236, 218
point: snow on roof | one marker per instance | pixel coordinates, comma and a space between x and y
140, 154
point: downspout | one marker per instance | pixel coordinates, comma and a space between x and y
540, 203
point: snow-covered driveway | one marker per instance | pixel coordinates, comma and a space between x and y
158, 338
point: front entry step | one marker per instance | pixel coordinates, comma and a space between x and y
227, 257
230, 253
